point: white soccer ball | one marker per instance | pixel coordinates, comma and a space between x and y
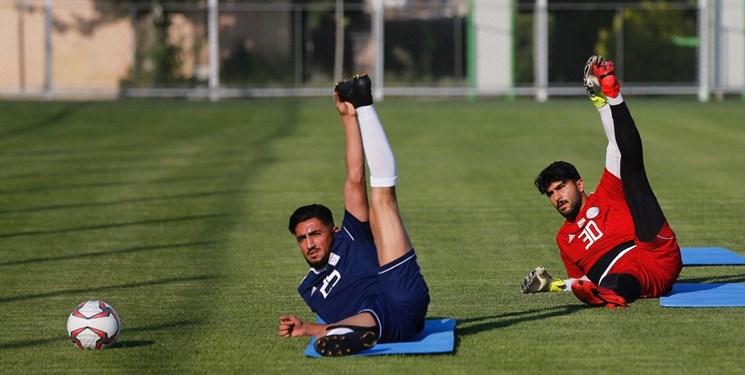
93, 325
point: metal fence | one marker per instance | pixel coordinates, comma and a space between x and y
222, 48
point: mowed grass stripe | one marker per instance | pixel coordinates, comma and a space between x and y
204, 295
153, 285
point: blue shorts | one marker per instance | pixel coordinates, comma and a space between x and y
402, 305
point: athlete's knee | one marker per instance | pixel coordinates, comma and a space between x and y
384, 202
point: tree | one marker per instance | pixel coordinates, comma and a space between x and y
650, 51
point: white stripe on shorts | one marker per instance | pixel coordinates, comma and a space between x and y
399, 263
614, 262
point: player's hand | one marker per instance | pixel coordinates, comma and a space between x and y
539, 281
291, 326
344, 108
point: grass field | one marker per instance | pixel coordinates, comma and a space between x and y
176, 213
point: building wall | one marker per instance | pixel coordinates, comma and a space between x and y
733, 43
22, 43
91, 49
93, 45
494, 55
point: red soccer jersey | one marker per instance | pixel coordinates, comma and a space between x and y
602, 224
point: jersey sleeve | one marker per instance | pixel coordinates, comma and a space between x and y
610, 187
357, 230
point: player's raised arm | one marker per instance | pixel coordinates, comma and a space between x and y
355, 187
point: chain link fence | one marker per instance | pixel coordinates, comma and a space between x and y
652, 44
223, 48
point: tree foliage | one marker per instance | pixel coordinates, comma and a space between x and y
650, 48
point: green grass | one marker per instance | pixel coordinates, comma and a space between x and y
176, 212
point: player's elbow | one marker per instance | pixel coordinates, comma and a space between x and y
356, 176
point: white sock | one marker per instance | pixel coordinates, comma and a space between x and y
378, 151
616, 101
612, 153
339, 331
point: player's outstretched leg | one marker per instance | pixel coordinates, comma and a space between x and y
400, 277
389, 233
623, 160
600, 80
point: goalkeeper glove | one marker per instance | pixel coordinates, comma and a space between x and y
539, 281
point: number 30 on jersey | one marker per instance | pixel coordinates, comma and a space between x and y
590, 234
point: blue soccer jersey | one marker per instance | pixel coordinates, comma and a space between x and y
339, 290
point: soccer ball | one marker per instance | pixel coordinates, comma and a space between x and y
93, 325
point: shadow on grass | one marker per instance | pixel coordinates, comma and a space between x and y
715, 279
114, 225
33, 342
473, 326
118, 345
171, 280
95, 165
99, 156
90, 254
168, 180
120, 201
131, 344
42, 123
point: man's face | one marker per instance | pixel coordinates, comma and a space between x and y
315, 240
567, 197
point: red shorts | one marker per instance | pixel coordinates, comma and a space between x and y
655, 264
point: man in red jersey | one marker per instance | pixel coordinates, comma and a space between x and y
616, 244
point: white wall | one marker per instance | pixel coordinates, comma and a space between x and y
733, 44
492, 21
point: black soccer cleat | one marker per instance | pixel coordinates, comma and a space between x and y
357, 90
346, 340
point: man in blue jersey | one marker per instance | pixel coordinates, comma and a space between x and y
364, 278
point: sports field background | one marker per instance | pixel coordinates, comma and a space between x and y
175, 212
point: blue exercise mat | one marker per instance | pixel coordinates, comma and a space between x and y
437, 337
705, 295
710, 256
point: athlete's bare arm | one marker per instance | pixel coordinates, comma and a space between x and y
355, 187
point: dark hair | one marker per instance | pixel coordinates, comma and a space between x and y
557, 171
308, 212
